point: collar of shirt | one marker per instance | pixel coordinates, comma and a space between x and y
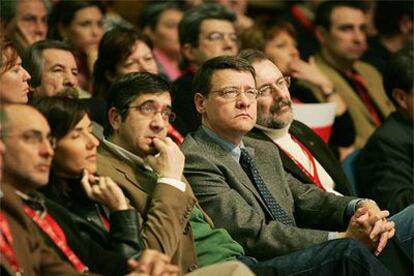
129, 156
229, 147
274, 133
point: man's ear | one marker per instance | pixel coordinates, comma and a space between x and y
114, 118
187, 51
200, 101
321, 34
400, 97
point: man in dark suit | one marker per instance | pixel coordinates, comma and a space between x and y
304, 154
386, 168
241, 183
148, 167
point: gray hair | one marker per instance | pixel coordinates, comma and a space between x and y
32, 59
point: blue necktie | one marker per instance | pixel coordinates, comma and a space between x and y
250, 169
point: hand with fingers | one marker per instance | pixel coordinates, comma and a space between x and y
376, 223
104, 191
152, 263
170, 161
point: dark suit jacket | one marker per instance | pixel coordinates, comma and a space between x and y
164, 210
91, 253
385, 171
232, 201
319, 150
33, 255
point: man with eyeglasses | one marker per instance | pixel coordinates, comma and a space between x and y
148, 167
205, 31
303, 153
241, 184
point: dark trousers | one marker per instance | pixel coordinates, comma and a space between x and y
335, 257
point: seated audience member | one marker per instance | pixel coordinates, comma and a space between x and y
23, 249
394, 21
278, 41
67, 22
139, 111
385, 170
205, 31
24, 22
123, 51
27, 136
14, 86
241, 183
340, 30
303, 153
96, 203
159, 21
52, 67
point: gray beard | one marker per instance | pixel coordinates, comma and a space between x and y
271, 120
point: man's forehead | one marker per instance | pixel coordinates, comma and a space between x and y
38, 5
162, 97
58, 55
232, 77
347, 15
23, 118
216, 25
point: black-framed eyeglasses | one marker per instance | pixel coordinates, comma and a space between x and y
232, 93
280, 84
34, 137
150, 109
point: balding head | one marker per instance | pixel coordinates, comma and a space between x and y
27, 140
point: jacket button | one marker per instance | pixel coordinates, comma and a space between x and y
192, 267
186, 229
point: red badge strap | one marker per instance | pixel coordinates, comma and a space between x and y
55, 232
313, 176
299, 16
6, 244
105, 221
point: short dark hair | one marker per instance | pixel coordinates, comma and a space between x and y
189, 26
115, 46
399, 72
32, 59
252, 55
62, 113
325, 9
388, 16
202, 79
151, 12
126, 89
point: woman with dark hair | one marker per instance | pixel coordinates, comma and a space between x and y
80, 24
14, 86
96, 203
121, 51
278, 41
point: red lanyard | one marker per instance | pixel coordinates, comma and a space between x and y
315, 176
6, 244
105, 221
53, 230
298, 14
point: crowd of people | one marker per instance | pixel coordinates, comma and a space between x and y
169, 146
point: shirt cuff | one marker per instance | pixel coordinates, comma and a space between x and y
332, 236
172, 182
352, 206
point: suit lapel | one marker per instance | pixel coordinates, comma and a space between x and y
228, 161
